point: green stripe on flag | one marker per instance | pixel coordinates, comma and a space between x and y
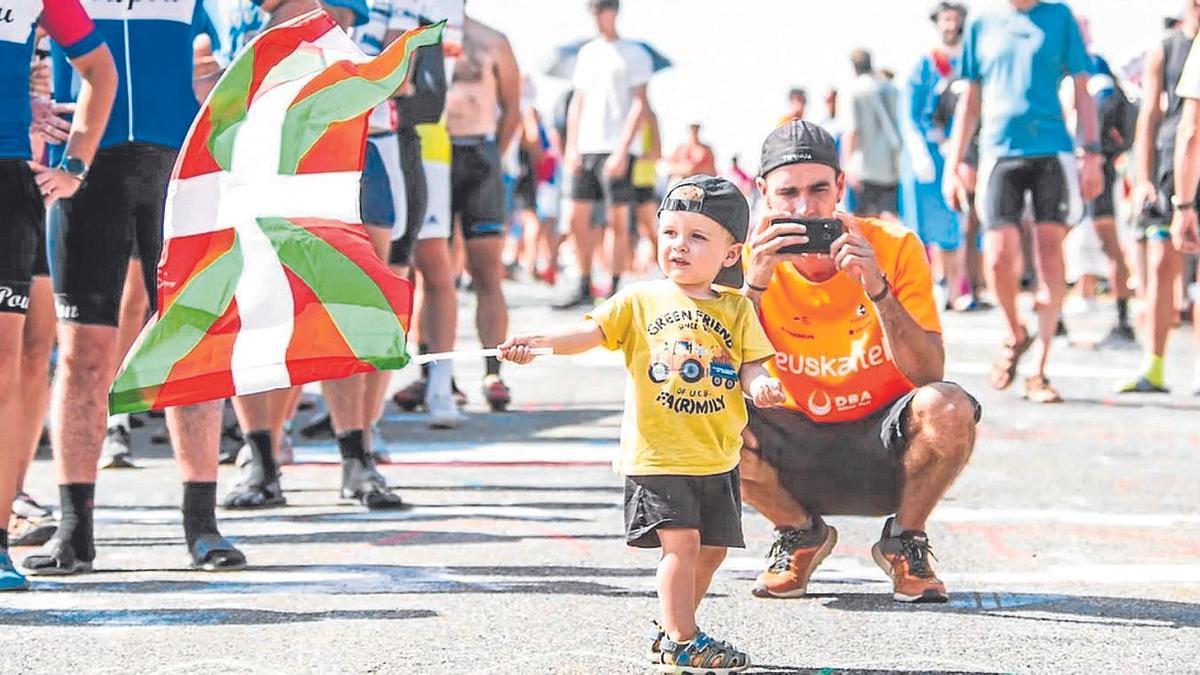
227, 108
308, 120
355, 302
177, 332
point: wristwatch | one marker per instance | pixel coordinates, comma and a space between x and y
883, 292
74, 167
1092, 148
1180, 205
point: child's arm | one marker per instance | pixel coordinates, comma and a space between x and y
764, 390
573, 339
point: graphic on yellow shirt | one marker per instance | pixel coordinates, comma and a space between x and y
684, 411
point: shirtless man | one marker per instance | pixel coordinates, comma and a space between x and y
485, 78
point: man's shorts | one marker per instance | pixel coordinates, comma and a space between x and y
477, 187
1052, 182
1105, 206
592, 185
409, 198
381, 196
22, 235
645, 195
845, 468
525, 194
711, 504
876, 198
91, 235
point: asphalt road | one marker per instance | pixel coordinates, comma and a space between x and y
1070, 544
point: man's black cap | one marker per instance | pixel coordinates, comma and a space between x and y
721, 201
796, 142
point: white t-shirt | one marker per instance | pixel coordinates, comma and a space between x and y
1189, 79
606, 74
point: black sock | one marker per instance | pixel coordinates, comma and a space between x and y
199, 510
4, 539
492, 365
260, 445
1122, 311
424, 349
616, 281
77, 501
585, 283
350, 444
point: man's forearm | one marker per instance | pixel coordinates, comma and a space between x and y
507, 127
1087, 125
92, 111
571, 142
918, 353
966, 116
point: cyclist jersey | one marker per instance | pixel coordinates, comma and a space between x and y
69, 25
151, 44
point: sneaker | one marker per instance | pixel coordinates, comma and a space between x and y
412, 397
580, 297
1142, 385
25, 506
117, 451
255, 489
321, 427
906, 560
362, 482
10, 578
657, 635
1120, 337
497, 393
24, 531
793, 558
701, 655
444, 412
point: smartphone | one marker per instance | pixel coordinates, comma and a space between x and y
821, 232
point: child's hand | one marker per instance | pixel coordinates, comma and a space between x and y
767, 392
517, 349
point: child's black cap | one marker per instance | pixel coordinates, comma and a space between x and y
719, 200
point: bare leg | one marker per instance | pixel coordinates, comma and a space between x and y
1052, 285
134, 306
618, 221
345, 399
953, 273
12, 325
579, 213
762, 490
196, 437
974, 257
80, 399
34, 396
941, 432
677, 581
440, 307
709, 560
1106, 230
1002, 251
491, 311
254, 411
1164, 262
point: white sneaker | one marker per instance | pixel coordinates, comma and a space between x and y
444, 412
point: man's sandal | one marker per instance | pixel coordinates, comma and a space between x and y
214, 553
1039, 390
1004, 370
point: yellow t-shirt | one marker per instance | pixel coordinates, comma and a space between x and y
645, 171
684, 411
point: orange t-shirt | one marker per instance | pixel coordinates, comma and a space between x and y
830, 354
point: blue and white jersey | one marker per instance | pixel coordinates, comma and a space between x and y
151, 44
236, 22
68, 24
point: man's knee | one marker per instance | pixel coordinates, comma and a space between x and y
945, 410
755, 472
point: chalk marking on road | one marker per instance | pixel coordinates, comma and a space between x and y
958, 514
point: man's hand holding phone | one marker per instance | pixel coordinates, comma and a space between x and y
853, 255
765, 243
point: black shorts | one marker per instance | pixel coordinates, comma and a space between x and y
477, 187
1105, 206
416, 196
591, 184
1051, 182
845, 468
645, 195
92, 234
525, 193
22, 235
876, 198
711, 504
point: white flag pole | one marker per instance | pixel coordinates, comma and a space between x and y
420, 359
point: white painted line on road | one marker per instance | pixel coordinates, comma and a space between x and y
958, 514
592, 452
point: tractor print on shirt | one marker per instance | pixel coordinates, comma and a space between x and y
692, 362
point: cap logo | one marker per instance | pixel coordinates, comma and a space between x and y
687, 205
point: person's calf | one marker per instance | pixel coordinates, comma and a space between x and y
676, 577
940, 426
